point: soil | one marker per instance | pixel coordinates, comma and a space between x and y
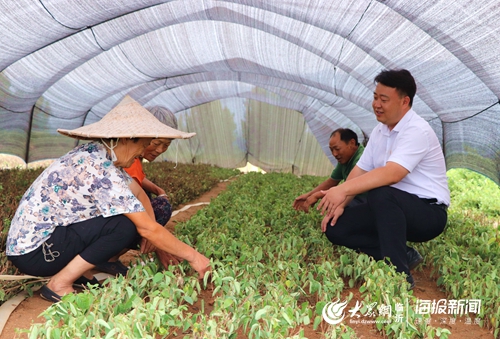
426, 288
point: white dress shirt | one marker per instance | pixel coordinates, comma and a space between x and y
412, 144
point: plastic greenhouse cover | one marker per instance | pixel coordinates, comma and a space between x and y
259, 81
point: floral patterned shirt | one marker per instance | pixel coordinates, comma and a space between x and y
81, 185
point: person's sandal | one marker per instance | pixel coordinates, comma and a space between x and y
83, 282
49, 295
112, 267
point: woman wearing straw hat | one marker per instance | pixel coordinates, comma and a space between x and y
161, 205
84, 209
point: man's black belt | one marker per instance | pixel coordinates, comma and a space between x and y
433, 201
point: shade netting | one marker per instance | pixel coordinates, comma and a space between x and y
258, 81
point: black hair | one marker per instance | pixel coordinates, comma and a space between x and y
401, 80
346, 135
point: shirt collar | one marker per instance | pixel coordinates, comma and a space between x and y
400, 125
404, 120
360, 149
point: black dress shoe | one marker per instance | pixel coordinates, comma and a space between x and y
414, 258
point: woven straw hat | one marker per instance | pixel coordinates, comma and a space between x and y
128, 119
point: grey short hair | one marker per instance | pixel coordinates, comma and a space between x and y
164, 115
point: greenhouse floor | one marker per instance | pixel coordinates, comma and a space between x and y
426, 289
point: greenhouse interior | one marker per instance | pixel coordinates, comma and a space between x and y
261, 84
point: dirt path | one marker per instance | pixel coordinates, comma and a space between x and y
29, 310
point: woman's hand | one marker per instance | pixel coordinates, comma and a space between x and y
147, 246
161, 238
201, 264
167, 259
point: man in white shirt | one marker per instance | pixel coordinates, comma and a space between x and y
404, 172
